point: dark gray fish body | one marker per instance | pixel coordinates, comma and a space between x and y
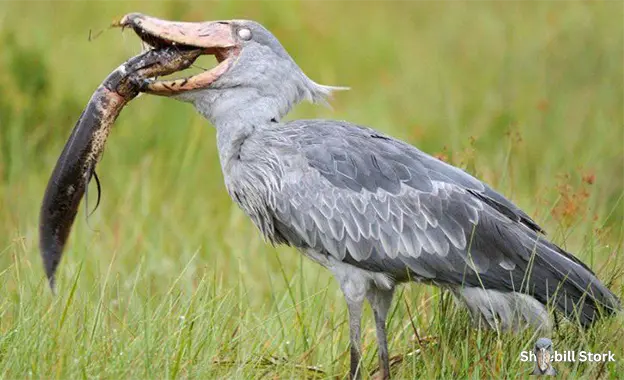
76, 164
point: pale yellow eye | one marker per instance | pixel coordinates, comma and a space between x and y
244, 34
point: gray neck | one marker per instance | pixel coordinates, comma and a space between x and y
237, 109
236, 113
231, 136
241, 105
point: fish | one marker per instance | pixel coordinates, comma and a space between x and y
75, 167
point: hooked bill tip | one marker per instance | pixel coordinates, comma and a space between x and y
118, 23
126, 20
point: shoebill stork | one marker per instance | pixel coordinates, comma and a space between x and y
374, 210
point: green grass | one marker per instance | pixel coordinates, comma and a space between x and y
171, 280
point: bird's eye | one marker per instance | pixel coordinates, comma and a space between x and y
244, 34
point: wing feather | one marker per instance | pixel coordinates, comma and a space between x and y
382, 205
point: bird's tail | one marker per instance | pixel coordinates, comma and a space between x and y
577, 292
553, 279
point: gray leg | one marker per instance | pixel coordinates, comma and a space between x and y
355, 318
354, 287
380, 300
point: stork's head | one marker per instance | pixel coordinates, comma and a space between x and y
543, 353
255, 76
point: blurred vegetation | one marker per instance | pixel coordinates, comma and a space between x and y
173, 280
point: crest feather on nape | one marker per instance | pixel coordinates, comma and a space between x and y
319, 93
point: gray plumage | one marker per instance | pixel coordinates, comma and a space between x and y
381, 205
377, 211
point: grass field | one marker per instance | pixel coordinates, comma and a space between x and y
168, 279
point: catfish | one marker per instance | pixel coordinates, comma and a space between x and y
75, 167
